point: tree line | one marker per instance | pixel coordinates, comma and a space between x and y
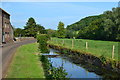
105, 26
102, 27
31, 29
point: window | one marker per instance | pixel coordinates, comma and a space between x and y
5, 25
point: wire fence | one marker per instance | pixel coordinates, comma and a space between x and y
108, 49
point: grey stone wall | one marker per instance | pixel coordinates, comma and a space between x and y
0, 26
7, 28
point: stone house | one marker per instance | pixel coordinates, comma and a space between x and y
6, 29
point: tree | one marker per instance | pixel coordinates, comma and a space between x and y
112, 24
42, 40
40, 29
19, 32
30, 27
61, 30
83, 23
103, 27
95, 30
51, 33
71, 34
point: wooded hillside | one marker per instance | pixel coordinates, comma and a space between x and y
103, 27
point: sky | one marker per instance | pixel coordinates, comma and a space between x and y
48, 14
59, 0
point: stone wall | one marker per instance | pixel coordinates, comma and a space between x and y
0, 26
7, 30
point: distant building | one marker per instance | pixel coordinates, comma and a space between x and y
6, 29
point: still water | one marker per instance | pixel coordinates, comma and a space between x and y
73, 70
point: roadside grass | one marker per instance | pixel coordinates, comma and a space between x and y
25, 63
95, 47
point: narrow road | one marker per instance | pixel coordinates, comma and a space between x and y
8, 52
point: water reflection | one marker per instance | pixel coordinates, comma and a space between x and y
73, 70
82, 70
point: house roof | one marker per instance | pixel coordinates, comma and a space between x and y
4, 11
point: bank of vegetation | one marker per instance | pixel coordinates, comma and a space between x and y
51, 72
94, 47
98, 53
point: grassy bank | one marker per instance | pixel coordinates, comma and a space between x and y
26, 63
97, 48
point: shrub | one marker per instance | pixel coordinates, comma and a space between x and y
51, 72
103, 59
42, 40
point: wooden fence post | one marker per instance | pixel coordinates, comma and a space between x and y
63, 42
72, 43
56, 41
51, 39
113, 50
86, 45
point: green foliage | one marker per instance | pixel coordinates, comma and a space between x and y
58, 73
42, 40
40, 29
82, 23
103, 59
102, 27
93, 31
31, 28
51, 72
51, 33
113, 63
64, 51
61, 30
18, 32
112, 24
71, 34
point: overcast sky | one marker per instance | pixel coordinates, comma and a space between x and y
48, 14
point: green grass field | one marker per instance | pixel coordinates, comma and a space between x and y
25, 63
95, 47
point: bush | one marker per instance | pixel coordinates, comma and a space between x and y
51, 72
42, 40
103, 59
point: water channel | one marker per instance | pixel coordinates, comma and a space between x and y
73, 70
